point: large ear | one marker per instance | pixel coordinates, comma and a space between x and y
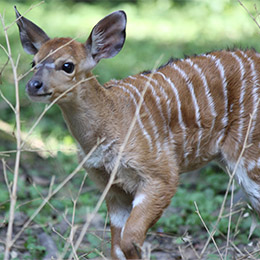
107, 37
32, 36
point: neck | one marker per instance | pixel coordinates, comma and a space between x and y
82, 112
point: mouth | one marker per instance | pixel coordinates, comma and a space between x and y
40, 94
43, 95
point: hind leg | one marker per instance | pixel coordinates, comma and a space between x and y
248, 177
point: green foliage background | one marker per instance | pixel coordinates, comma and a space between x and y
155, 29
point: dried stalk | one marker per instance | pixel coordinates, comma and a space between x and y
244, 147
51, 194
13, 195
205, 226
253, 18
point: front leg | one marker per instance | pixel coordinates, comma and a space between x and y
147, 207
119, 209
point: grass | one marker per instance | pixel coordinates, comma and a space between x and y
164, 27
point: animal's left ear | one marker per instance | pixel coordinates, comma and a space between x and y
32, 36
107, 37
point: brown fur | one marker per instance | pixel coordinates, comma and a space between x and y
177, 130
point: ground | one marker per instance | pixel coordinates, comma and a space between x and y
46, 234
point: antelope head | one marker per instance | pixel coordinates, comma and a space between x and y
61, 63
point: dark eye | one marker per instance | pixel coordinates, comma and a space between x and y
33, 64
68, 67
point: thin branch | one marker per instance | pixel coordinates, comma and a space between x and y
7, 101
205, 226
13, 195
60, 186
253, 18
6, 177
230, 218
3, 68
244, 147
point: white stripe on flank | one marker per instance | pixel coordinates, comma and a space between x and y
242, 95
152, 122
211, 103
254, 95
224, 85
191, 90
195, 103
206, 87
145, 133
180, 119
157, 100
166, 127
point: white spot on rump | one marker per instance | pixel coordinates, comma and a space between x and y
138, 199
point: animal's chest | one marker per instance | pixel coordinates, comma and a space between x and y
101, 164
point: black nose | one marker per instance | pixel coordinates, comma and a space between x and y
35, 84
34, 87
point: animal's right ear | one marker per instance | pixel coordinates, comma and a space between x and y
32, 37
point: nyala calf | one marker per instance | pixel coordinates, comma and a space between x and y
194, 110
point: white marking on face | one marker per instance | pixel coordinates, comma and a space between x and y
138, 199
119, 253
50, 65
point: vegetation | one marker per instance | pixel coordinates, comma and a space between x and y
156, 30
